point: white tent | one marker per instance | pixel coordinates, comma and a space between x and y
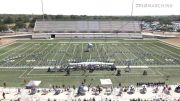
105, 82
90, 63
33, 83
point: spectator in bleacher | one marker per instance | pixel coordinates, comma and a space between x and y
94, 99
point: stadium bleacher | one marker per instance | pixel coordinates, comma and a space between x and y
124, 29
87, 26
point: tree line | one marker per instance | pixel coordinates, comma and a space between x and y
28, 21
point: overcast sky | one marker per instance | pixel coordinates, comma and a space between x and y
90, 7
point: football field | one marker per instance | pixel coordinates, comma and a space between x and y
40, 53
18, 61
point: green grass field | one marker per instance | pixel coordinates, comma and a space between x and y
163, 61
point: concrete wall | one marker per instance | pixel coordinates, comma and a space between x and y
86, 35
41, 36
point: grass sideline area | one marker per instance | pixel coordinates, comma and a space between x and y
16, 77
163, 61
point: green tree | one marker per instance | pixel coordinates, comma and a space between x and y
165, 21
147, 19
31, 25
59, 17
20, 25
23, 19
8, 20
74, 17
3, 28
32, 22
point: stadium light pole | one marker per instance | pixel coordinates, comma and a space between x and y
42, 7
132, 8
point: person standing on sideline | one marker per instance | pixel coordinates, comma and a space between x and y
3, 94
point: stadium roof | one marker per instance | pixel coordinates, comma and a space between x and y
87, 26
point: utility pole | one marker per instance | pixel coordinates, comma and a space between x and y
42, 8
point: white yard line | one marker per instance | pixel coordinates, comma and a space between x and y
105, 52
84, 42
22, 73
2, 46
178, 69
122, 52
97, 51
174, 46
115, 54
166, 66
160, 73
20, 53
166, 73
77, 75
94, 74
57, 51
18, 47
12, 70
24, 53
148, 49
40, 60
89, 56
48, 74
137, 57
47, 53
133, 54
74, 49
30, 71
12, 49
152, 70
167, 50
162, 51
82, 51
65, 53
27, 55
